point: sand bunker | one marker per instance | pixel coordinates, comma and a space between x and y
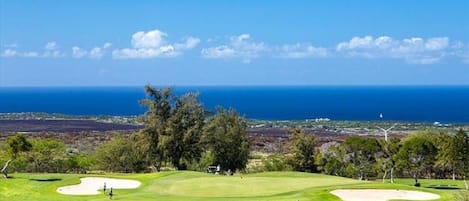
382, 195
91, 185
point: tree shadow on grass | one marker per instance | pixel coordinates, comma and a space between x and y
46, 179
444, 187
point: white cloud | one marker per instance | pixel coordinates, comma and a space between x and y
437, 43
107, 45
168, 49
98, 52
14, 53
240, 46
51, 50
413, 50
188, 43
356, 42
460, 50
150, 39
53, 54
31, 54
218, 52
153, 44
51, 46
144, 53
78, 52
300, 50
94, 53
9, 53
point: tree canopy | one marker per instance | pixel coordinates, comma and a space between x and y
225, 136
181, 139
416, 154
302, 149
14, 145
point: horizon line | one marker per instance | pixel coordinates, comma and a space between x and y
240, 85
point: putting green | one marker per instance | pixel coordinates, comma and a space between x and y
237, 186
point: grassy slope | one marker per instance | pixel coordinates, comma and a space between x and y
178, 186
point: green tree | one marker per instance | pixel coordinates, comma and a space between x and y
119, 155
447, 154
387, 157
173, 128
46, 155
329, 159
361, 154
181, 141
159, 108
275, 163
416, 154
461, 154
302, 148
79, 162
205, 160
225, 136
15, 145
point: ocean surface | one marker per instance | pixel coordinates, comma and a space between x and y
446, 104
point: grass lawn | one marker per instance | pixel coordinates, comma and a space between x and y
178, 186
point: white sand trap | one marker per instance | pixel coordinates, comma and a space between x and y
91, 185
382, 195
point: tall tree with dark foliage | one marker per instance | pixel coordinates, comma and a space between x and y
302, 148
226, 137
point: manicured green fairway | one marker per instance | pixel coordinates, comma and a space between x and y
178, 186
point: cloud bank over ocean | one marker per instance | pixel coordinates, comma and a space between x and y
155, 44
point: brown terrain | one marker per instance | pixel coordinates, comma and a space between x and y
274, 140
87, 134
79, 134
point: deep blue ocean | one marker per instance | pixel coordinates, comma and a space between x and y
446, 104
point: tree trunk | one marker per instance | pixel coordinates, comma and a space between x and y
392, 176
454, 175
5, 167
466, 183
385, 173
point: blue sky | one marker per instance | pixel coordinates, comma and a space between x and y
117, 43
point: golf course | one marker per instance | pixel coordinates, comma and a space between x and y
187, 185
